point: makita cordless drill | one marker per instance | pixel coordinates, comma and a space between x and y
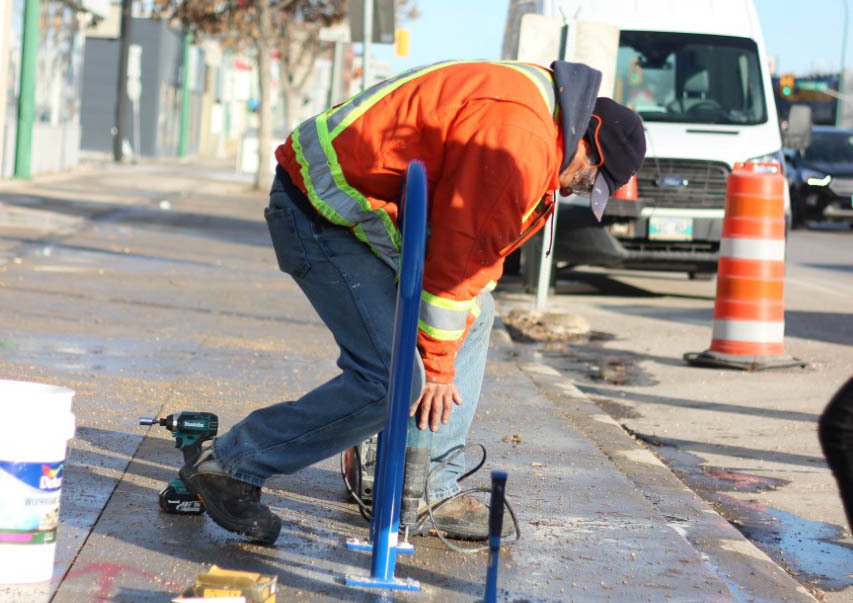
190, 429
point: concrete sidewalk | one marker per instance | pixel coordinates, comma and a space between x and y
152, 289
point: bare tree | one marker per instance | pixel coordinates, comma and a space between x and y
290, 27
264, 44
299, 46
259, 24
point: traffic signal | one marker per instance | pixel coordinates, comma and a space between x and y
786, 84
402, 41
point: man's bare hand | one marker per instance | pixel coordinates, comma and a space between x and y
435, 404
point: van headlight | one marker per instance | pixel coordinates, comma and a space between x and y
815, 178
775, 157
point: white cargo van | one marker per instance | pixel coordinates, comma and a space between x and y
696, 72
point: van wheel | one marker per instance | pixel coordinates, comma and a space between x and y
700, 276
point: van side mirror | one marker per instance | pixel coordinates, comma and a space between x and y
798, 133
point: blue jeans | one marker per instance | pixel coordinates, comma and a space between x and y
354, 294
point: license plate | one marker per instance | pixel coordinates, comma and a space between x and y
670, 229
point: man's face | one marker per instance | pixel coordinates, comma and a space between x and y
579, 175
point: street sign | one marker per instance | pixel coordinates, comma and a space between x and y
99, 8
134, 62
134, 72
134, 90
811, 85
383, 21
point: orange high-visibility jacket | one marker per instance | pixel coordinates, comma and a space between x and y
488, 135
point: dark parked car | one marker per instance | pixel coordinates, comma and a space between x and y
821, 177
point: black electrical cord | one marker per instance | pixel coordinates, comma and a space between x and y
365, 511
363, 507
431, 509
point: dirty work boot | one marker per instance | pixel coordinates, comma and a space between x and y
464, 518
234, 505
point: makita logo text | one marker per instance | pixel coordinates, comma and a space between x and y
186, 506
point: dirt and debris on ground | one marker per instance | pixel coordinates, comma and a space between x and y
531, 325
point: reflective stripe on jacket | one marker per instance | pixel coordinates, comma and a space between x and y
487, 134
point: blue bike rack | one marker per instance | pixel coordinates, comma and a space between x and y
391, 451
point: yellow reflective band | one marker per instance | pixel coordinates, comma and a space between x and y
475, 311
339, 178
440, 334
490, 286
405, 78
325, 209
358, 231
523, 69
530, 211
549, 76
447, 304
376, 97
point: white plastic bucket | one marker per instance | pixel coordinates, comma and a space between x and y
36, 425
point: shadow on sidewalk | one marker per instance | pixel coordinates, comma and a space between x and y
217, 227
769, 413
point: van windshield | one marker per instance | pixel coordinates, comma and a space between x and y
690, 78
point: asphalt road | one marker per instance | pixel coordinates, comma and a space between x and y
744, 441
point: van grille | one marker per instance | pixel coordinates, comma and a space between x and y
843, 187
705, 183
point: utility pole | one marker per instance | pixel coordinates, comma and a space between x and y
366, 76
27, 93
839, 106
121, 86
184, 131
5, 31
546, 259
264, 43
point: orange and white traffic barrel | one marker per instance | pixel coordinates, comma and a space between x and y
628, 191
749, 310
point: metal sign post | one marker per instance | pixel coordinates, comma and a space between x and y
546, 259
371, 21
365, 45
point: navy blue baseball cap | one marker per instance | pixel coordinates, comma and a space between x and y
616, 135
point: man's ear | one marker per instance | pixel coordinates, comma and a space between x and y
588, 151
581, 152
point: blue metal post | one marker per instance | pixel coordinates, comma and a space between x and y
496, 520
390, 465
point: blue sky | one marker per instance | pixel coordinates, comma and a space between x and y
800, 34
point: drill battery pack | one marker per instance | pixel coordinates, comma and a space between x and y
176, 499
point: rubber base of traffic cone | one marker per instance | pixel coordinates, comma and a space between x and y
744, 363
